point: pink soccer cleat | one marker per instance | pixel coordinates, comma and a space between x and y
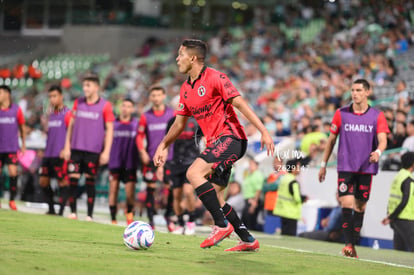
244, 246
217, 235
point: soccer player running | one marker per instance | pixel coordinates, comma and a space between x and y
11, 123
53, 165
124, 160
209, 96
186, 150
362, 132
88, 141
151, 129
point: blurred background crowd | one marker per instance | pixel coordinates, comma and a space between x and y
294, 63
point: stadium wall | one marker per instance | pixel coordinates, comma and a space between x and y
324, 195
118, 41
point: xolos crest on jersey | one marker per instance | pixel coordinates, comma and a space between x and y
201, 91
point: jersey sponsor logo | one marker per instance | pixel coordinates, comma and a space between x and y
343, 187
200, 110
363, 187
157, 126
222, 147
229, 88
125, 133
87, 114
54, 123
362, 128
201, 91
185, 95
7, 120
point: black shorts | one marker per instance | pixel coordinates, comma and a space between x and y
53, 168
124, 175
83, 162
223, 153
8, 158
149, 172
178, 175
356, 184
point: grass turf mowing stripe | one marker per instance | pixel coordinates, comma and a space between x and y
364, 260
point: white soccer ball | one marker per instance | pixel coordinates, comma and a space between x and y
138, 235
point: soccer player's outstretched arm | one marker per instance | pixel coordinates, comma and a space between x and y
23, 136
109, 119
244, 108
66, 148
382, 145
141, 136
21, 121
382, 131
162, 150
328, 151
109, 136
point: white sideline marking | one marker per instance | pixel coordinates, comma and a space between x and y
364, 260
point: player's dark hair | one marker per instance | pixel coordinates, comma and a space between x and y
364, 83
401, 111
6, 88
403, 123
91, 77
55, 88
292, 164
157, 87
407, 160
252, 158
200, 47
129, 100
403, 82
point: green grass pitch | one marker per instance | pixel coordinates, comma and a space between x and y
41, 244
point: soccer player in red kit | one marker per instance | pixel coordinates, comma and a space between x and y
11, 123
362, 132
88, 141
209, 96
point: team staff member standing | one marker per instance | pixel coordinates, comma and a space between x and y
53, 165
152, 127
289, 199
362, 134
401, 205
209, 96
252, 189
123, 161
11, 123
88, 141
